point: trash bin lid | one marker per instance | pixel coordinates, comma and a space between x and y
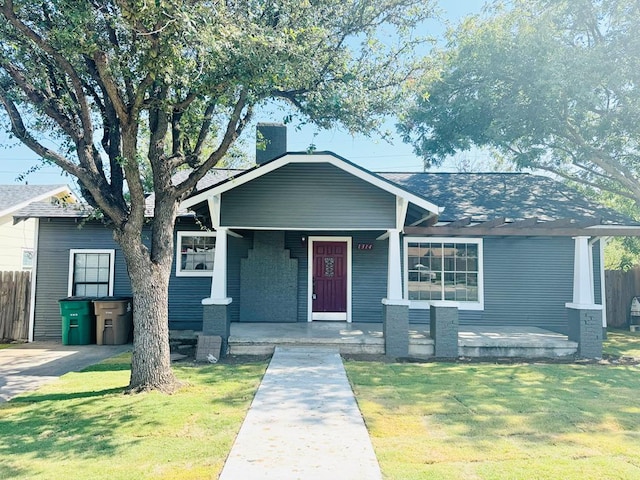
77, 299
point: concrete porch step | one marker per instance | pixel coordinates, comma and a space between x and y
516, 342
266, 346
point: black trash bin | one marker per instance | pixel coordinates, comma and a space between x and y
114, 320
78, 320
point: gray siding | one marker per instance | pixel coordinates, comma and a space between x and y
58, 236
527, 282
55, 239
596, 273
308, 196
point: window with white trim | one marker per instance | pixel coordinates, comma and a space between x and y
27, 258
91, 273
444, 270
195, 252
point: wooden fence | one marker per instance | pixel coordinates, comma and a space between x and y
15, 296
621, 288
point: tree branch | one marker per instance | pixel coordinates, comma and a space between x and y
234, 128
63, 63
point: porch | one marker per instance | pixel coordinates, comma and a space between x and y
368, 338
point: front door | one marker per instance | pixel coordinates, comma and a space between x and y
329, 294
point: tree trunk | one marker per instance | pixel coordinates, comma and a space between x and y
150, 364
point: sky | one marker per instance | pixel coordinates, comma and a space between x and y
369, 152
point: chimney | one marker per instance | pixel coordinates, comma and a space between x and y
274, 135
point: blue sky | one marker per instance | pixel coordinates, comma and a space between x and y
371, 153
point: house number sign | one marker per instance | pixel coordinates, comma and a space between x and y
365, 246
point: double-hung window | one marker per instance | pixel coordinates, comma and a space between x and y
444, 270
91, 273
195, 254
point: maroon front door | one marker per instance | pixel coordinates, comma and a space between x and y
329, 280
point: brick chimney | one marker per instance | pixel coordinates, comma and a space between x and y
275, 137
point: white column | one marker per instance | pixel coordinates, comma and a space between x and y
219, 278
583, 276
394, 270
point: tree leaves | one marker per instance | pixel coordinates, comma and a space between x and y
552, 85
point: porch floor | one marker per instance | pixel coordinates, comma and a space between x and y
368, 338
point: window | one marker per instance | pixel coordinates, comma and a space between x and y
444, 269
27, 258
195, 254
91, 273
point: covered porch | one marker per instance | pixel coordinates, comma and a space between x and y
368, 339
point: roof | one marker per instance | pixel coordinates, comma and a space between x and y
515, 196
478, 196
16, 197
81, 210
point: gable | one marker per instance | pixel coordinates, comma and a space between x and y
308, 196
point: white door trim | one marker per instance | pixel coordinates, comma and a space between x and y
327, 316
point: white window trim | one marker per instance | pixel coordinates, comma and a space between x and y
193, 273
33, 253
112, 261
426, 304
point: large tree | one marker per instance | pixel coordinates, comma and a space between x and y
109, 82
549, 84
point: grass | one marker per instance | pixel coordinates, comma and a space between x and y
83, 426
504, 421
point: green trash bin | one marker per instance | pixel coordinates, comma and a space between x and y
114, 320
78, 321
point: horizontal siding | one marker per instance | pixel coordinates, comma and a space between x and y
527, 282
308, 196
55, 238
58, 236
596, 273
369, 277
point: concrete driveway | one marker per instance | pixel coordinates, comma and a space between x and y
25, 368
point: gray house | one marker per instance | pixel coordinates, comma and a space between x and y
315, 238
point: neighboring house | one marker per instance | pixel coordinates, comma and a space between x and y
314, 237
17, 239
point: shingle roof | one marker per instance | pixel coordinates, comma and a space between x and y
15, 197
481, 196
47, 209
515, 196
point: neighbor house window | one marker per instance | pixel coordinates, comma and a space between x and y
27, 258
91, 273
195, 254
444, 270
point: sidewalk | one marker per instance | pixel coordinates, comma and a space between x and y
304, 423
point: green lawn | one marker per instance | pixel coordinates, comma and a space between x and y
427, 421
84, 427
504, 421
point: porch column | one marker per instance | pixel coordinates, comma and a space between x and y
395, 310
585, 317
216, 320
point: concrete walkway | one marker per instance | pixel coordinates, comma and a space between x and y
304, 423
24, 368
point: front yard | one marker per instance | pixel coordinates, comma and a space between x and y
427, 421
504, 421
83, 427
